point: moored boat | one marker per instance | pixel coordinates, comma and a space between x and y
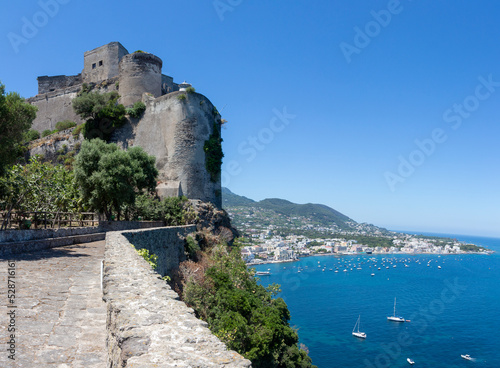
395, 318
357, 333
263, 273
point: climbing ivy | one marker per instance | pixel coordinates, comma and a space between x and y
213, 153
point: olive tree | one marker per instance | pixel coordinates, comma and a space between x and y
110, 178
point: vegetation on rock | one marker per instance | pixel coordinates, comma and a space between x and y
31, 135
214, 154
137, 110
16, 117
102, 112
243, 314
65, 124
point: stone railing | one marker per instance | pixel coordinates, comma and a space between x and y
23, 241
104, 226
147, 324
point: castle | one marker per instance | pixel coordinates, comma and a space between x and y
173, 128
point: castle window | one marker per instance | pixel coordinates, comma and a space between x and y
93, 66
100, 63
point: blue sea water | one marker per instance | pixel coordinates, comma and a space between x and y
453, 310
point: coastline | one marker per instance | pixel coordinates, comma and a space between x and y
251, 264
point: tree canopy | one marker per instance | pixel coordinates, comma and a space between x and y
102, 112
38, 186
110, 178
16, 117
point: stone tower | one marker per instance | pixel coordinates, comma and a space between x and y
139, 73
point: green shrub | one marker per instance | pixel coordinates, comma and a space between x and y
152, 259
77, 130
137, 110
139, 52
102, 112
181, 97
246, 316
47, 132
213, 154
31, 135
65, 124
191, 247
190, 90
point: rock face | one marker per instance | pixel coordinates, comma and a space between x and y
214, 220
174, 131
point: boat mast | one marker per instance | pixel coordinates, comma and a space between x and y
394, 306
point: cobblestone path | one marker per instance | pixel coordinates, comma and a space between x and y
60, 319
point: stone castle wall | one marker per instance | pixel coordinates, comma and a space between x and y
175, 131
102, 63
50, 84
54, 107
147, 325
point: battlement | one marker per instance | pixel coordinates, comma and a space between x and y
50, 84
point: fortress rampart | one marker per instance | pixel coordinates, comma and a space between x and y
147, 324
173, 129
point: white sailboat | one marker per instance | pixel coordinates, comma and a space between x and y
355, 332
395, 318
410, 361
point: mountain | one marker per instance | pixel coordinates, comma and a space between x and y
229, 199
317, 213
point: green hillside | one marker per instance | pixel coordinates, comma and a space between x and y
318, 213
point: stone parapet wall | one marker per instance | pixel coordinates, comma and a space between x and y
48, 84
147, 324
7, 236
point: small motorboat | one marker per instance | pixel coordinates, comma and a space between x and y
466, 357
263, 273
410, 361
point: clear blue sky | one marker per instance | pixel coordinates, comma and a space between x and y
364, 80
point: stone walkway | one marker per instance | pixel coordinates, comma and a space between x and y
60, 315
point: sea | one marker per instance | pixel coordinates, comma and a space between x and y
451, 304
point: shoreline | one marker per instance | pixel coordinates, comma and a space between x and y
490, 252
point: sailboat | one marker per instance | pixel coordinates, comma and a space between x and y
395, 318
355, 332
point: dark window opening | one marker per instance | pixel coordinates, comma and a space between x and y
52, 89
100, 63
93, 66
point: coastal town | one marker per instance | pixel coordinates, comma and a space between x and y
268, 249
269, 237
